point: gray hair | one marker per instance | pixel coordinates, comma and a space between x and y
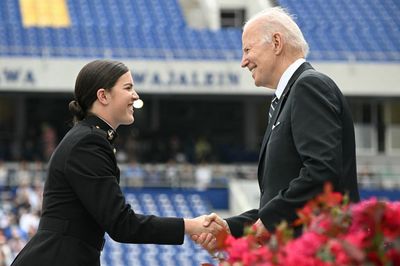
278, 19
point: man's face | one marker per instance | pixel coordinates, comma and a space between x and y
258, 56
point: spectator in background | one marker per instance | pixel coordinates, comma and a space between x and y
23, 174
172, 173
3, 174
28, 221
49, 140
82, 197
187, 174
134, 174
176, 153
8, 216
16, 240
31, 149
309, 139
5, 251
26, 196
39, 172
203, 175
202, 149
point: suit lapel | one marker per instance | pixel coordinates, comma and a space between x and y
303, 67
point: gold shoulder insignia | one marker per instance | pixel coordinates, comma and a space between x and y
110, 134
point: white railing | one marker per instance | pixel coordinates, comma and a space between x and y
393, 139
366, 139
373, 172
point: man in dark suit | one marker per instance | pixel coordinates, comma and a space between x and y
309, 139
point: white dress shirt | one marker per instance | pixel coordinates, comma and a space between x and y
287, 75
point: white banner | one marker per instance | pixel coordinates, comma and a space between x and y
58, 75
187, 77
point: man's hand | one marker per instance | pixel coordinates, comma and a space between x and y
210, 241
261, 231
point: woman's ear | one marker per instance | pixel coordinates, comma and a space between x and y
102, 96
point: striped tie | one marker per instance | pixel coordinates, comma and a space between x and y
274, 103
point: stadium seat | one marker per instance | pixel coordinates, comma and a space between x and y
156, 29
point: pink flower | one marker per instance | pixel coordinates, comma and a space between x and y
367, 215
358, 238
334, 234
336, 248
391, 220
236, 248
394, 256
303, 250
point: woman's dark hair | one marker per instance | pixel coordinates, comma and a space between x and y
93, 76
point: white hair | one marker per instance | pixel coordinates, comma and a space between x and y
277, 19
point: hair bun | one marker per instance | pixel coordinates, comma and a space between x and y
76, 110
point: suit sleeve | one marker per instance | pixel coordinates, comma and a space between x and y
317, 134
91, 171
237, 223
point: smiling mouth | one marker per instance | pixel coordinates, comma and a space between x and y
253, 70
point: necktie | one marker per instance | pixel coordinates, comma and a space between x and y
274, 103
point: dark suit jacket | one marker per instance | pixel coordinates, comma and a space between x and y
310, 140
82, 187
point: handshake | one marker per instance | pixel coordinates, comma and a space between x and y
204, 230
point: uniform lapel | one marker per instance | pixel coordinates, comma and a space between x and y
303, 67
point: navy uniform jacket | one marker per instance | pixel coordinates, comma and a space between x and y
310, 140
83, 200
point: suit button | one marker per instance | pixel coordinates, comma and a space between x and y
262, 190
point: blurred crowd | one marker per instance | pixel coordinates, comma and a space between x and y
20, 206
21, 189
38, 144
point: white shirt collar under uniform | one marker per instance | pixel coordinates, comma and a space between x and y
287, 75
106, 122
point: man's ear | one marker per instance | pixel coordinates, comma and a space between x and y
102, 96
277, 41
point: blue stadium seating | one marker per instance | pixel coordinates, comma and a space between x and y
160, 204
349, 30
156, 29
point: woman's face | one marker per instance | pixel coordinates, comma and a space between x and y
121, 104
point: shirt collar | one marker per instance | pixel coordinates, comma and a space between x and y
106, 123
287, 75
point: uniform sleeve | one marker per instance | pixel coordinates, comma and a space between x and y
91, 171
317, 134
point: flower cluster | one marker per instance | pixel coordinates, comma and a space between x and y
334, 233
